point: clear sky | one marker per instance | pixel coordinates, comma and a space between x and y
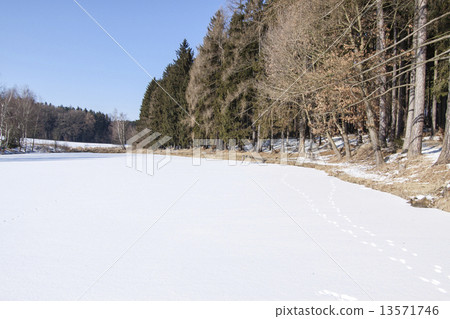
59, 53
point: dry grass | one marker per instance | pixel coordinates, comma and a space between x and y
109, 150
413, 183
417, 180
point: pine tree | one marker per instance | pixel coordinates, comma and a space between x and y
164, 106
145, 112
175, 82
242, 66
202, 93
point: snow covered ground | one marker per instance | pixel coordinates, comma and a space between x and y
29, 142
85, 226
30, 145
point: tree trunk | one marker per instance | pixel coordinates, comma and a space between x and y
373, 134
302, 136
287, 141
258, 139
311, 141
410, 115
412, 90
395, 102
444, 157
271, 131
434, 103
381, 45
333, 146
359, 139
348, 154
343, 131
368, 109
254, 138
371, 126
415, 148
402, 96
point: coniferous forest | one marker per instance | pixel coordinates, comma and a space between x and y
294, 68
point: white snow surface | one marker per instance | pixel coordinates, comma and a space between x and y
29, 142
85, 226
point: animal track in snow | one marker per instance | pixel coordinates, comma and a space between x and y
440, 271
17, 217
435, 283
401, 261
363, 232
8, 220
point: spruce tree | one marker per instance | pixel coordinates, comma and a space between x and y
205, 80
164, 107
241, 70
145, 112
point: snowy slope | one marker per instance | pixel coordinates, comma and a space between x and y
88, 227
29, 142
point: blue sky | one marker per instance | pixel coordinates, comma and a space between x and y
53, 47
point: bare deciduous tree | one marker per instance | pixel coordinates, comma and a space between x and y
415, 147
26, 106
5, 128
119, 127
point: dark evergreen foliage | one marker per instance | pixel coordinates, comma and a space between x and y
164, 107
218, 90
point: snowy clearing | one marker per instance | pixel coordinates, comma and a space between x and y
30, 141
85, 226
31, 145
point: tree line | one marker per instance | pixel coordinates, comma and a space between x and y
297, 68
22, 118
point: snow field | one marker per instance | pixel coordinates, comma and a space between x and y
87, 227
